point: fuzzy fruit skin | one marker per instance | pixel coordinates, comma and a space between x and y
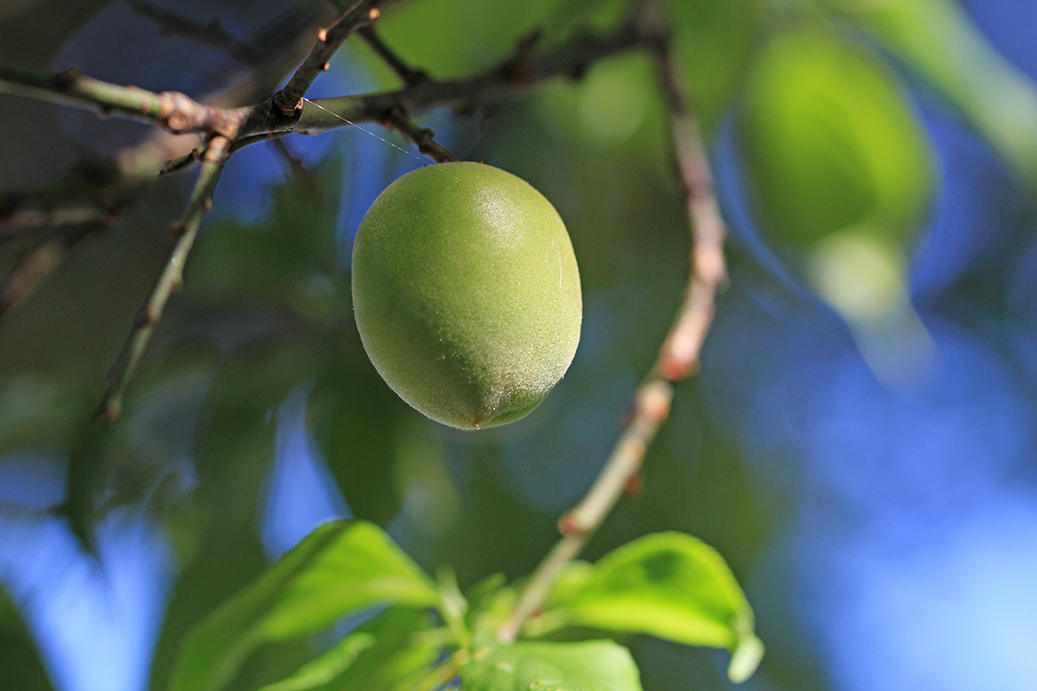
466, 293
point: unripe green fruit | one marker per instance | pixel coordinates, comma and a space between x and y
466, 293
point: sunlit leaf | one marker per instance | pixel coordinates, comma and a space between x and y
341, 567
585, 666
672, 586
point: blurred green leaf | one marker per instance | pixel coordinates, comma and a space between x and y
608, 107
669, 585
831, 141
397, 659
380, 450
713, 42
937, 40
220, 551
570, 583
585, 666
326, 667
41, 411
479, 597
20, 664
291, 256
448, 38
353, 417
339, 568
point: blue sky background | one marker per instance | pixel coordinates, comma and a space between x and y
905, 553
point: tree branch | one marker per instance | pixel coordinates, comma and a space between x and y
212, 33
26, 219
512, 78
397, 120
678, 358
289, 99
40, 261
178, 164
405, 72
228, 129
171, 110
179, 114
169, 281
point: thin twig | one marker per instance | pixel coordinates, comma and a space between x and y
510, 79
178, 164
241, 142
171, 110
678, 358
211, 33
289, 99
295, 168
169, 281
408, 75
39, 262
27, 219
397, 120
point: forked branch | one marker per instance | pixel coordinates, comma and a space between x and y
289, 99
170, 280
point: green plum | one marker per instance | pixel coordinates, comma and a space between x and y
466, 293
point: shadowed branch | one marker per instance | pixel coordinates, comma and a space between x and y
169, 281
170, 110
289, 99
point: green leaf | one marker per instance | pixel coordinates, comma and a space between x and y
479, 597
672, 586
397, 660
339, 568
937, 40
215, 534
570, 583
354, 417
490, 603
41, 411
380, 450
326, 667
712, 41
20, 664
291, 256
831, 142
534, 666
450, 38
